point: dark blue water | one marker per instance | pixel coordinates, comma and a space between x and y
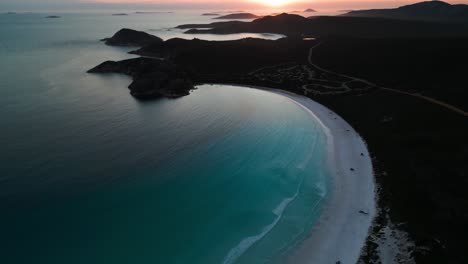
90, 175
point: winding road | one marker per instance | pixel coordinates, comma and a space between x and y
428, 99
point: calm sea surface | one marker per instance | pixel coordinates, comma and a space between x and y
90, 175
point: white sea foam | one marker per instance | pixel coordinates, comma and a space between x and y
309, 156
341, 231
248, 242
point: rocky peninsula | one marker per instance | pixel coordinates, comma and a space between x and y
152, 78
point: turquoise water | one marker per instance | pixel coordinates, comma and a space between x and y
90, 175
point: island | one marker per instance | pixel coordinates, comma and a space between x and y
210, 14
131, 38
402, 89
309, 10
52, 17
238, 16
120, 14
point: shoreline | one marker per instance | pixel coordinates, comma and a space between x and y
341, 232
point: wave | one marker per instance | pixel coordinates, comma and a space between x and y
248, 242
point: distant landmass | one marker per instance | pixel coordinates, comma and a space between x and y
429, 11
120, 14
309, 10
210, 14
52, 17
282, 24
238, 16
131, 38
322, 26
211, 25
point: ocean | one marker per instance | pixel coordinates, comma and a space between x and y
88, 174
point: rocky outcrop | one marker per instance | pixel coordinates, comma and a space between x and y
131, 38
152, 78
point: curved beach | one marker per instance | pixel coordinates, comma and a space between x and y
342, 229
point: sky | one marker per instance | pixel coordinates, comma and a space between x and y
33, 5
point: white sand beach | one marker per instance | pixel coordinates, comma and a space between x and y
341, 231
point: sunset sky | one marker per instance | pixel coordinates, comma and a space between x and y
31, 5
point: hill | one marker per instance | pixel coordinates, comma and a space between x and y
238, 16
428, 11
131, 38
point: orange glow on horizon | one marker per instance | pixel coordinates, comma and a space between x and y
271, 3
274, 3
